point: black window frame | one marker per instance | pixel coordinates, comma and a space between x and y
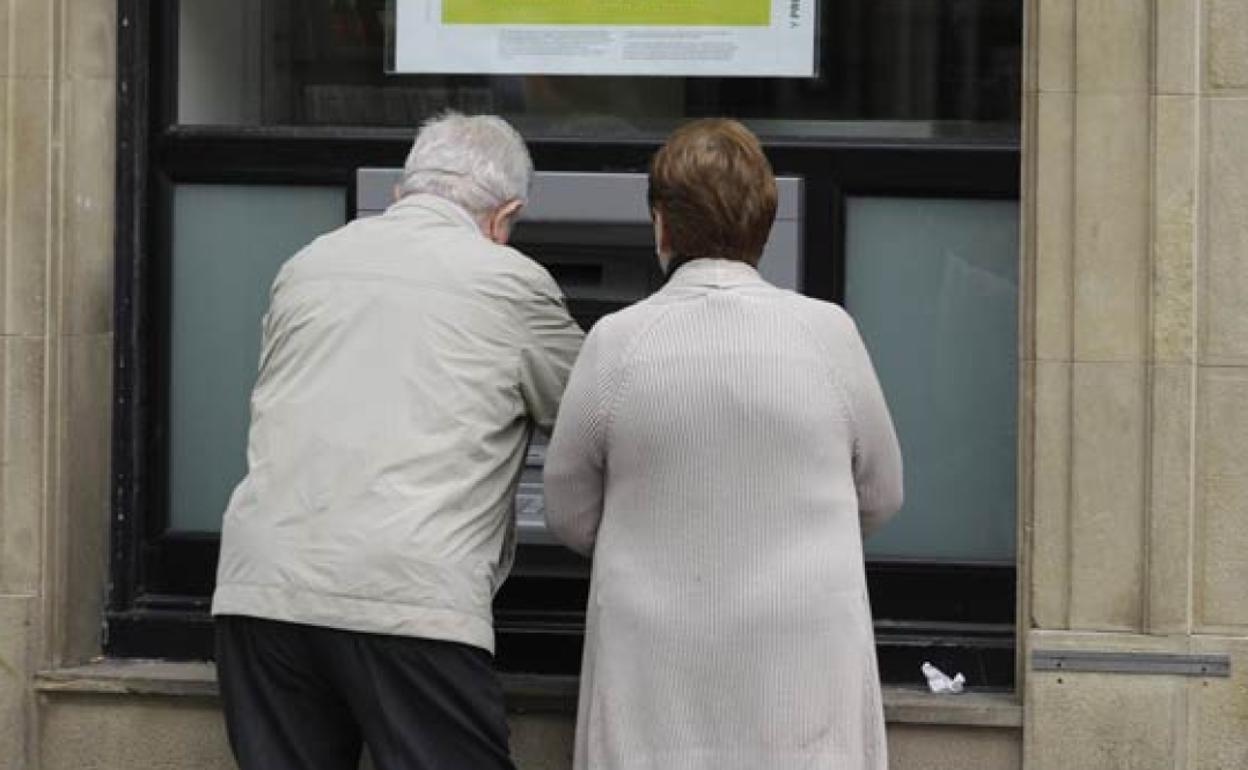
959, 615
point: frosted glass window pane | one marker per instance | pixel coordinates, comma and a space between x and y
228, 243
933, 285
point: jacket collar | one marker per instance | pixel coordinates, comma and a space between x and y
450, 212
714, 273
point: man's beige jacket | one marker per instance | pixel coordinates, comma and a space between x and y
406, 359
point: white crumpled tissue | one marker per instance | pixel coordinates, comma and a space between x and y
939, 682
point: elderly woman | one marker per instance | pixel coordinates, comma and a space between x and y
721, 449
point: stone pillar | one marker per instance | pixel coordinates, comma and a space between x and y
1135, 533
56, 223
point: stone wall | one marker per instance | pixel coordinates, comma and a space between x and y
56, 253
1134, 486
91, 732
128, 719
1136, 247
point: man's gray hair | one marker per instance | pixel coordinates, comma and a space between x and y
479, 162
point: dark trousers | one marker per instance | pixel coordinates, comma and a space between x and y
307, 698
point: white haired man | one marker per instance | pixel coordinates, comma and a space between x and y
406, 359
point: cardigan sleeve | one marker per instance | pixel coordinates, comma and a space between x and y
877, 453
576, 459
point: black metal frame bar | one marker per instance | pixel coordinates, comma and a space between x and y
958, 614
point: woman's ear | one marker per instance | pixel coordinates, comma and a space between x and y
660, 234
662, 248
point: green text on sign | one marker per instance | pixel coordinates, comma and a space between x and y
677, 13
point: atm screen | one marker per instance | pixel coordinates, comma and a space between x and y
601, 268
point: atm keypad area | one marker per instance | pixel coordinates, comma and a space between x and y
593, 233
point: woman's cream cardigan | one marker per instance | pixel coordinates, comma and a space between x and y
720, 450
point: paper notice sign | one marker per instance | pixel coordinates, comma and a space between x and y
720, 38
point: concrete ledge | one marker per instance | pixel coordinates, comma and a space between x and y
525, 693
967, 709
132, 677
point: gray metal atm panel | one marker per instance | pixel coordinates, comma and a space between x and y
608, 198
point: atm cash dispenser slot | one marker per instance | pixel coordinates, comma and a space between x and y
592, 232
600, 268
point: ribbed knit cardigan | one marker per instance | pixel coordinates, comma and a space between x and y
720, 450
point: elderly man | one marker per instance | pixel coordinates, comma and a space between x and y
405, 360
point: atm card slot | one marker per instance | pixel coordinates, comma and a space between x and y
573, 276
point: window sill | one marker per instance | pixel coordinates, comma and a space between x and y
525, 694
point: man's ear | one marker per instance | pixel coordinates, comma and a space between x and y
501, 221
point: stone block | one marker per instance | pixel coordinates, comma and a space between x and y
84, 732
1224, 287
107, 731
1050, 508
91, 51
1112, 212
1109, 413
1102, 721
1113, 45
542, 741
932, 747
1177, 24
1170, 500
22, 469
1055, 45
16, 619
85, 434
1222, 500
1228, 44
1223, 429
1106, 641
5, 13
31, 37
6, 88
1054, 186
1176, 178
89, 181
29, 159
1218, 723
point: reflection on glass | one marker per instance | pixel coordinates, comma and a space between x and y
944, 64
229, 242
933, 285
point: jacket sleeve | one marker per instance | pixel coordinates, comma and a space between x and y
876, 452
269, 322
576, 459
552, 342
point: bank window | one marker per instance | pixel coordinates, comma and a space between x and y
323, 63
243, 126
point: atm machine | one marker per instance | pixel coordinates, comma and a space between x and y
593, 233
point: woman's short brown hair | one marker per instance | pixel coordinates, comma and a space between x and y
716, 191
